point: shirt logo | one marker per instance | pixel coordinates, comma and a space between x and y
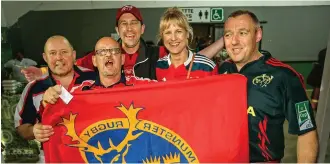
304, 119
262, 80
120, 140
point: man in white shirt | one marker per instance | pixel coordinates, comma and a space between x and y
17, 64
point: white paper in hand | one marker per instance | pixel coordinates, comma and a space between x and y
65, 95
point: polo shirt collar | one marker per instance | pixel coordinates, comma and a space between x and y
187, 62
76, 74
99, 84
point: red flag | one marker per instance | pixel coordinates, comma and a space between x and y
191, 121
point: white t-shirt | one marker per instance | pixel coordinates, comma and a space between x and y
17, 65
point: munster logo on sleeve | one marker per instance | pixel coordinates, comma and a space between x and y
150, 124
304, 119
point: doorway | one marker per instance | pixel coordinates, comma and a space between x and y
205, 34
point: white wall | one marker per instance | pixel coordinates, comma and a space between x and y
15, 9
3, 18
12, 10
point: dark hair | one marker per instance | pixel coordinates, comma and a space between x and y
245, 12
321, 57
16, 51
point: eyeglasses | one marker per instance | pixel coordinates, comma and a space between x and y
112, 51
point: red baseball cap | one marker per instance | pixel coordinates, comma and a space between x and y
129, 9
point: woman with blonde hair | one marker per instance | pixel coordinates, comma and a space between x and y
181, 62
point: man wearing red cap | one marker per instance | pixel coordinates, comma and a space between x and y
140, 58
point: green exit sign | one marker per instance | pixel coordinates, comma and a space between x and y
216, 14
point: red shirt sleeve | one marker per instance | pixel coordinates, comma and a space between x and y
86, 61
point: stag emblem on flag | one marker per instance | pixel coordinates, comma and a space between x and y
137, 132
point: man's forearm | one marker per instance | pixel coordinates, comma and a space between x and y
26, 131
315, 98
307, 147
213, 49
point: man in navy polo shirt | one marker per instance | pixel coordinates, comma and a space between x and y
275, 92
59, 56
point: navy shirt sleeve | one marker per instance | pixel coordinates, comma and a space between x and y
298, 109
25, 109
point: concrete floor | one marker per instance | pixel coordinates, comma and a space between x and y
290, 153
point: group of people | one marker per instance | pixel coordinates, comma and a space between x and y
275, 91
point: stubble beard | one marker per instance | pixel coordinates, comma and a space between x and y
62, 74
132, 46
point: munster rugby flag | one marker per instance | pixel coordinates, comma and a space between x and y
192, 121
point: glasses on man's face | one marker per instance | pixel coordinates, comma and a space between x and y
111, 51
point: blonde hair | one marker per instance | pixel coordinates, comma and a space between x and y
174, 15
